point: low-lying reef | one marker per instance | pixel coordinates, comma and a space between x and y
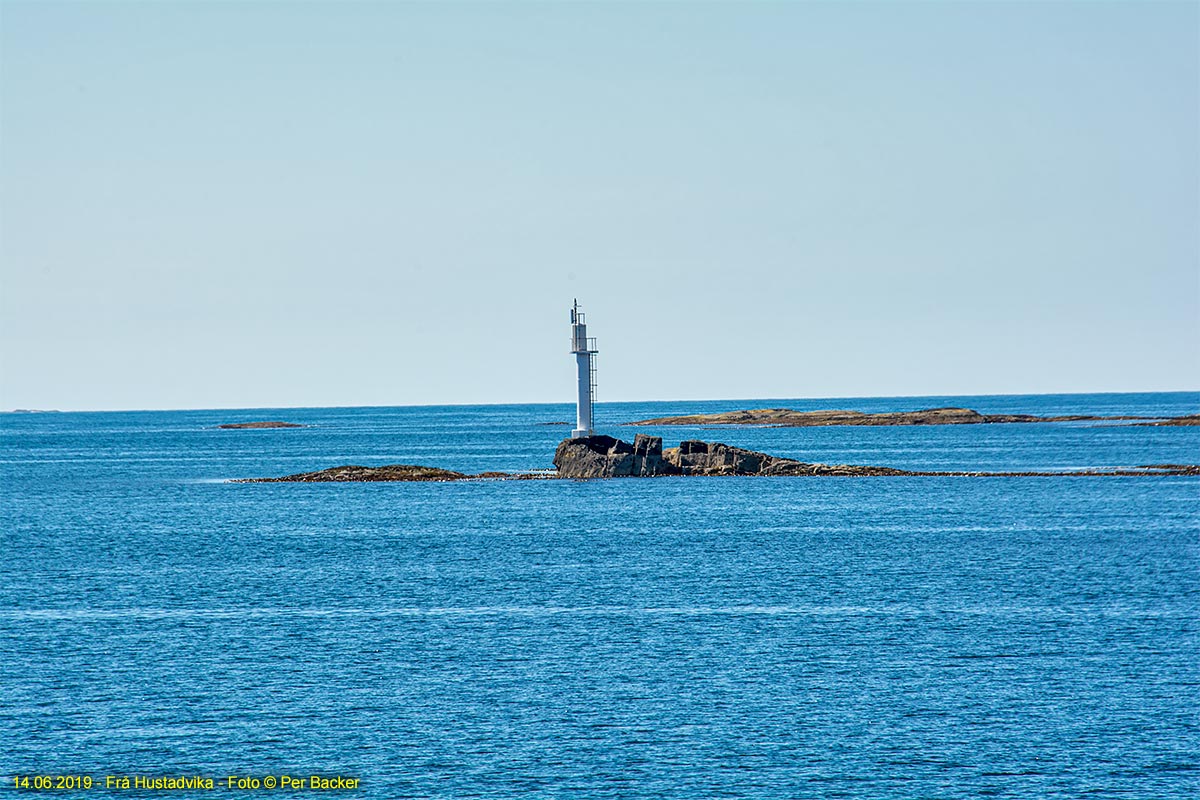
274, 423
1190, 419
352, 473
790, 418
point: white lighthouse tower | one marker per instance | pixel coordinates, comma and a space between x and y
585, 366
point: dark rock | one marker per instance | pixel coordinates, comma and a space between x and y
596, 457
646, 446
648, 457
253, 425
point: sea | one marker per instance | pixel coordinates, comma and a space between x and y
722, 637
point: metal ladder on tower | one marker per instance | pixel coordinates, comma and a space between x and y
592, 393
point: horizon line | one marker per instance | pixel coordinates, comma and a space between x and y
569, 403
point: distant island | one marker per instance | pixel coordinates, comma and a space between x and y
790, 418
606, 457
255, 425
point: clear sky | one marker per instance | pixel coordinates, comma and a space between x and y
230, 204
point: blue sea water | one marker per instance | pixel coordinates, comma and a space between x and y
666, 638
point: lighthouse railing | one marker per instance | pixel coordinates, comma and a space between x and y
584, 345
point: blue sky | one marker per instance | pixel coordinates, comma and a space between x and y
303, 204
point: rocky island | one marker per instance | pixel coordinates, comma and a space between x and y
790, 418
607, 457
